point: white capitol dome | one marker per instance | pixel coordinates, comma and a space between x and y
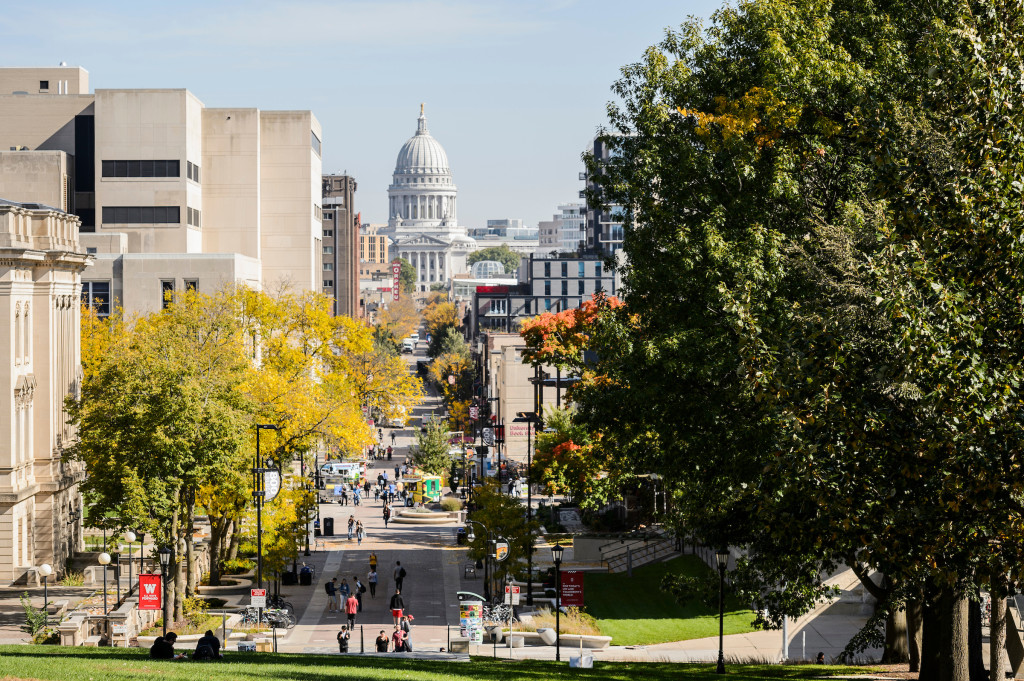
422, 195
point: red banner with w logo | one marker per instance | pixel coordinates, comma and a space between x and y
150, 593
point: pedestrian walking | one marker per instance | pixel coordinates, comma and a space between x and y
387, 516
373, 561
397, 469
397, 606
382, 642
376, 493
355, 496
392, 442
358, 589
380, 434
343, 637
371, 579
351, 608
406, 625
344, 590
351, 526
344, 495
398, 640
366, 487
360, 532
399, 575
331, 587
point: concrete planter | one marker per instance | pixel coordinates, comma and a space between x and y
547, 635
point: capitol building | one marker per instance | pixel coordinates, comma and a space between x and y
422, 219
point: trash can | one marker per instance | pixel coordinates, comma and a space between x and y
306, 578
328, 527
289, 578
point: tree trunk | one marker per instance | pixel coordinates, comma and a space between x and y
236, 540
896, 649
945, 650
975, 653
190, 554
216, 537
170, 585
914, 622
997, 636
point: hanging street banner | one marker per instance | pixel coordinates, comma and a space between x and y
150, 593
396, 279
474, 413
500, 551
572, 588
271, 485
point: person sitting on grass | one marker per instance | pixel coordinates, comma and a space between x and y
163, 648
207, 648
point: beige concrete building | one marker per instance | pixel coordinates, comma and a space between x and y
507, 382
238, 187
373, 245
41, 263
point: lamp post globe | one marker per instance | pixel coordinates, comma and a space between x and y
722, 560
165, 561
45, 570
104, 560
130, 537
556, 554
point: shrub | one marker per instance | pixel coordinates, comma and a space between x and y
195, 610
572, 621
236, 566
35, 618
450, 504
73, 579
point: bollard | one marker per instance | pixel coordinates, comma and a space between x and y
362, 648
449, 628
273, 628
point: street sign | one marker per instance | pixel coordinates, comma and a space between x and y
396, 279
512, 595
258, 598
150, 593
500, 551
271, 485
120, 629
572, 588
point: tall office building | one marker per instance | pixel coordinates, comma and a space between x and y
341, 244
171, 194
604, 224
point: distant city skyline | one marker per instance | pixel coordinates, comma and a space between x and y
514, 90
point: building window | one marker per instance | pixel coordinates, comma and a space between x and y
328, 232
328, 283
547, 305
328, 250
318, 212
315, 141
166, 292
565, 269
157, 168
191, 284
192, 171
565, 287
193, 217
563, 305
547, 287
44, 85
90, 250
547, 269
579, 285
581, 274
526, 307
328, 267
141, 215
96, 294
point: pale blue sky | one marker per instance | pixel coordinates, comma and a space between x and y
514, 90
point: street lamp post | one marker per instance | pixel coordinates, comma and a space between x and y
165, 561
257, 497
556, 554
302, 473
129, 537
529, 418
487, 556
104, 560
722, 558
116, 560
45, 570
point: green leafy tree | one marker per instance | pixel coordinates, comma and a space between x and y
503, 516
503, 254
827, 374
431, 452
407, 276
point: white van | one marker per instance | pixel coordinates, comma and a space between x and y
415, 336
408, 345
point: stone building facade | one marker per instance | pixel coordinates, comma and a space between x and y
41, 264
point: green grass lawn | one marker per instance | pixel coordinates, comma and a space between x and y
635, 611
53, 663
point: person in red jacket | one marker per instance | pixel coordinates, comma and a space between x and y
351, 608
